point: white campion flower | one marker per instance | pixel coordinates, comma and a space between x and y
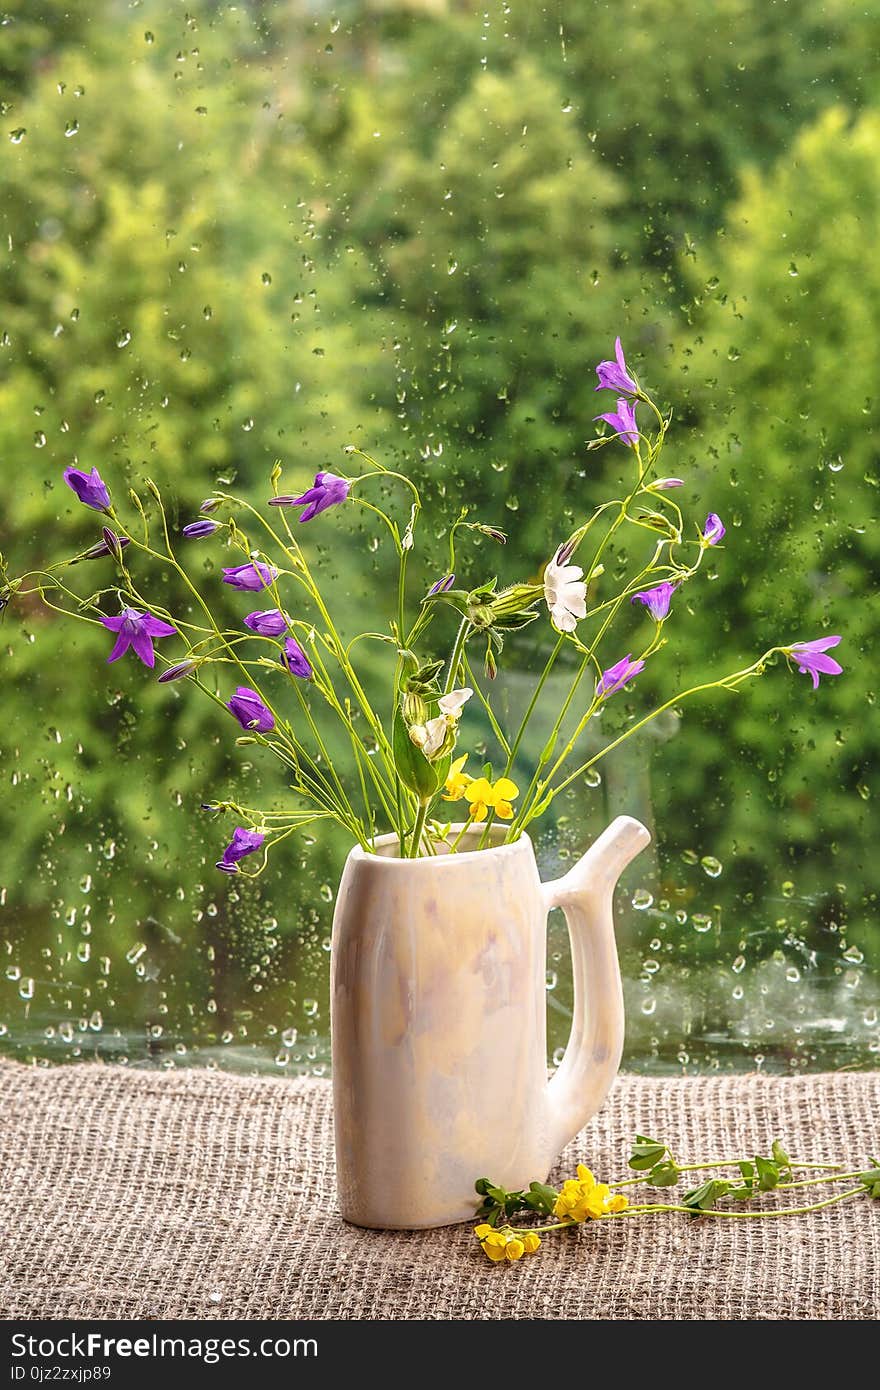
430, 737
565, 593
453, 703
433, 737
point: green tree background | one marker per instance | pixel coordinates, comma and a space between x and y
240, 234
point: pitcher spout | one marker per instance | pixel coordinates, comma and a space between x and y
608, 856
592, 1057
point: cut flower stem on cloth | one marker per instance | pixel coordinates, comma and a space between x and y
581, 1200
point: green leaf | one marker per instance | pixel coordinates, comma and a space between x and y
646, 1152
664, 1174
746, 1168
705, 1197
870, 1180
541, 806
779, 1155
541, 1197
768, 1174
413, 768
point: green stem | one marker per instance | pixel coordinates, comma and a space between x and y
295, 555
455, 658
743, 1215
726, 683
732, 1163
418, 829
496, 727
536, 694
814, 1182
460, 836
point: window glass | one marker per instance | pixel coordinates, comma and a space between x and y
236, 234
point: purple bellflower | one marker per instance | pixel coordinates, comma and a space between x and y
616, 677
326, 491
656, 600
136, 630
197, 529
255, 576
90, 488
811, 659
250, 711
243, 842
714, 530
270, 622
622, 421
295, 659
614, 376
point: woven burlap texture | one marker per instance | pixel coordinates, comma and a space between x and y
180, 1194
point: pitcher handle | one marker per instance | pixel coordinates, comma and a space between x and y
592, 1057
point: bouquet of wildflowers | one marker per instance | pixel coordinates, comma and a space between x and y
411, 771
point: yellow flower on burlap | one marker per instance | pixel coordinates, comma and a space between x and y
506, 1244
584, 1199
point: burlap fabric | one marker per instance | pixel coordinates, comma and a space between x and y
133, 1194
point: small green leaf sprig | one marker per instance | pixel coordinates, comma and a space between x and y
657, 1167
757, 1174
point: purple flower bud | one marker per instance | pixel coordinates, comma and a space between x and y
656, 600
243, 842
271, 622
197, 529
614, 376
110, 545
250, 711
664, 484
565, 552
442, 586
714, 530
327, 490
89, 488
136, 630
616, 677
255, 576
210, 504
295, 660
177, 673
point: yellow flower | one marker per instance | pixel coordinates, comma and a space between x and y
457, 781
583, 1199
479, 795
483, 796
504, 791
506, 1244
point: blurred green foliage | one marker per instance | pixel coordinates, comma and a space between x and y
235, 234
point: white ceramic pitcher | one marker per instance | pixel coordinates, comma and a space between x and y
438, 1016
